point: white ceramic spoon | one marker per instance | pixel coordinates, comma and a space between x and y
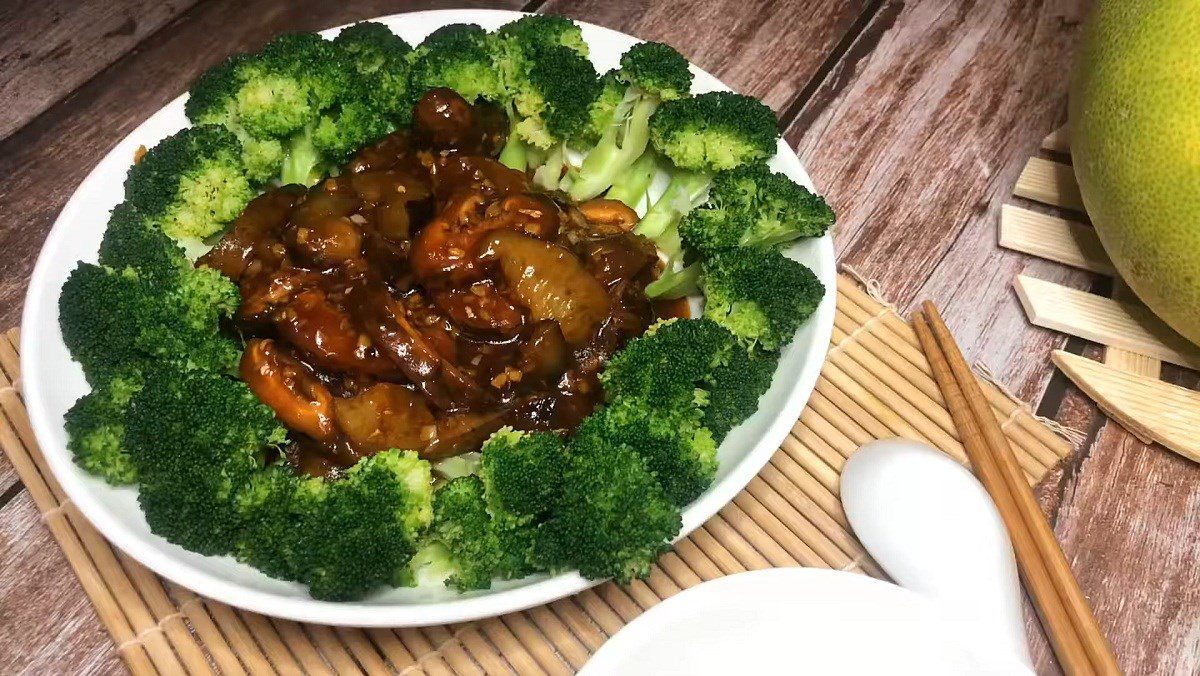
935, 530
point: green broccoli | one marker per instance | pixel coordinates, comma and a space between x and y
668, 362
362, 530
734, 388
547, 88
111, 319
601, 112
474, 546
458, 56
380, 57
272, 101
131, 242
195, 440
520, 472
658, 392
191, 184
753, 206
96, 428
214, 99
351, 123
653, 72
702, 135
760, 295
678, 449
272, 508
613, 519
542, 29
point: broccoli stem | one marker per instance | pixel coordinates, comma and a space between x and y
618, 150
685, 190
302, 160
630, 187
515, 154
550, 174
674, 283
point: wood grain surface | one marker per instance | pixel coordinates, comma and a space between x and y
914, 119
50, 48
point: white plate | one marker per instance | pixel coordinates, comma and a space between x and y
784, 621
52, 383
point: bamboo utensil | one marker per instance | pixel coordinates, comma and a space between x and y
1076, 637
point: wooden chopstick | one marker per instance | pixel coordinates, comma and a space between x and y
1073, 631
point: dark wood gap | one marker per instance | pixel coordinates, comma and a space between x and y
11, 492
876, 19
831, 62
533, 5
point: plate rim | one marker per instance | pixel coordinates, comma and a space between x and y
360, 614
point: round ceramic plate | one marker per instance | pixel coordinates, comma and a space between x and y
52, 383
784, 621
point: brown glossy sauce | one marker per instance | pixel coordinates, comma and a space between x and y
427, 296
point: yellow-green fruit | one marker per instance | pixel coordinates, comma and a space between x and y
1135, 143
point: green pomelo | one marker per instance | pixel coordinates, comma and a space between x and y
1135, 143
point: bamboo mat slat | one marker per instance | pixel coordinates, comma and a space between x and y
875, 384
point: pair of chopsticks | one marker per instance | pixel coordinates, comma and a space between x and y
1076, 637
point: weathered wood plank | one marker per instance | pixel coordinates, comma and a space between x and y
45, 161
47, 624
767, 49
918, 140
47, 49
1130, 526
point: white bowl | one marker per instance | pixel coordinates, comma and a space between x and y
52, 383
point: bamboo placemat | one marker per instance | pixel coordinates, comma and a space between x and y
875, 384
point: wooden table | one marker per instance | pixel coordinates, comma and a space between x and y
914, 119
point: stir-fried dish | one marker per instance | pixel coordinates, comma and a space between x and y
428, 295
431, 340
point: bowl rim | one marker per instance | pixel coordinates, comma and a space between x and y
361, 614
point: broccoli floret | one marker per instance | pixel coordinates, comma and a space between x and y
130, 241
195, 440
548, 87
652, 72
734, 389
96, 428
613, 519
543, 29
601, 112
760, 295
668, 362
484, 525
111, 319
363, 529
204, 295
702, 135
351, 123
678, 449
551, 94
476, 546
272, 507
753, 206
458, 56
190, 184
714, 131
214, 99
272, 101
521, 471
380, 57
